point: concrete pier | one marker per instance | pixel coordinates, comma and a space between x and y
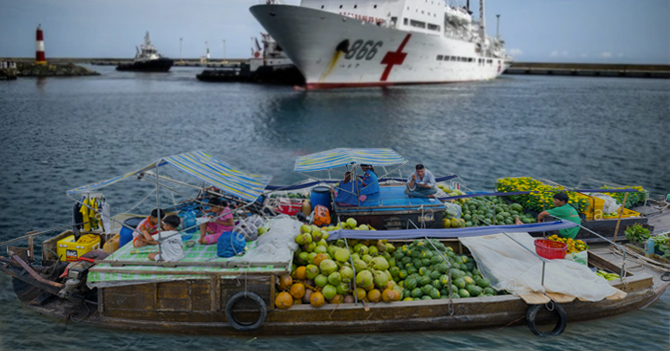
590, 70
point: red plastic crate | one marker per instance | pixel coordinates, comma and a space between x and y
550, 249
289, 206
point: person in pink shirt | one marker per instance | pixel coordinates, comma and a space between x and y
211, 231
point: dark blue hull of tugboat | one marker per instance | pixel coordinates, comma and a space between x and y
159, 65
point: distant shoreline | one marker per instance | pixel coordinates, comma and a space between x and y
528, 65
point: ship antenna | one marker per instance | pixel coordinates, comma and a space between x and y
467, 6
498, 27
482, 25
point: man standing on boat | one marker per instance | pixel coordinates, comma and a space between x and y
563, 211
421, 183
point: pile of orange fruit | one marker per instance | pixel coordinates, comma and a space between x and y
574, 246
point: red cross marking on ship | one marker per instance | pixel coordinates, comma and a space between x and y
394, 58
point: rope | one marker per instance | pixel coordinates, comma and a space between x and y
40, 233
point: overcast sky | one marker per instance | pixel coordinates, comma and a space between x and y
616, 31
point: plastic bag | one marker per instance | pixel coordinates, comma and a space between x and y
610, 205
230, 244
579, 257
453, 210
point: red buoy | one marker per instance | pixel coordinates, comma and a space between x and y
40, 58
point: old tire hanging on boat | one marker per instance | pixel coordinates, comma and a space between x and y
531, 314
245, 326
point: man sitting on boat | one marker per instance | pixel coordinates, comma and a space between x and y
345, 192
563, 211
171, 249
421, 183
369, 181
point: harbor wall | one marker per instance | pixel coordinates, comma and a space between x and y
590, 70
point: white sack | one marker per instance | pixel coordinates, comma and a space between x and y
510, 267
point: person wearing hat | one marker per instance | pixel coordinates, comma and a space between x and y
369, 181
421, 183
563, 211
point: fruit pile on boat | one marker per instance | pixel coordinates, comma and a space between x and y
345, 271
484, 211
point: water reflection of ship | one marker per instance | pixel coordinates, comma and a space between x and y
147, 59
268, 64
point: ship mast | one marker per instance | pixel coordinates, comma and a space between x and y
482, 25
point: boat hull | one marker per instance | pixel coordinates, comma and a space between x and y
382, 57
472, 313
159, 65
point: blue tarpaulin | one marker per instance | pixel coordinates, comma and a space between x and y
449, 232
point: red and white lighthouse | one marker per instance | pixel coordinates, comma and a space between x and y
40, 58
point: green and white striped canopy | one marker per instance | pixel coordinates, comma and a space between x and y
341, 157
203, 166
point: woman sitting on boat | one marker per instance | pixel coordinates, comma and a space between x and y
345, 192
223, 222
369, 181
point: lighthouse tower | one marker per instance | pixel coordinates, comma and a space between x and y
40, 58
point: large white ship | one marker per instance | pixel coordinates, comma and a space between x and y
359, 43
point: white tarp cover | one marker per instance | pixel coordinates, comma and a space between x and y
277, 244
510, 267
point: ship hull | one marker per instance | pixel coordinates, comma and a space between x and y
374, 55
159, 65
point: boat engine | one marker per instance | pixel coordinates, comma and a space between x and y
75, 288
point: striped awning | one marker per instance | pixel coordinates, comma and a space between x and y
341, 157
203, 166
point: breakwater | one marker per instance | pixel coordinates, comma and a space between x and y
53, 68
590, 70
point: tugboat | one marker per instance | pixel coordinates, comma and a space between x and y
268, 65
147, 59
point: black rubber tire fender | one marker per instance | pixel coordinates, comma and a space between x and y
531, 314
255, 298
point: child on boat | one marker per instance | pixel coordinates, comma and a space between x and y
369, 181
147, 228
223, 222
171, 249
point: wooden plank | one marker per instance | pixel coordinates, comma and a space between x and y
142, 271
560, 298
223, 264
535, 299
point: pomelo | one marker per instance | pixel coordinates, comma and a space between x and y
285, 281
351, 223
379, 263
380, 279
364, 279
329, 291
360, 265
373, 250
346, 274
305, 228
363, 227
297, 290
342, 255
284, 300
301, 273
321, 280
312, 271
374, 295
327, 267
367, 258
334, 278
317, 299
316, 235
343, 288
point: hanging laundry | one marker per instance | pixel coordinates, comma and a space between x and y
84, 212
106, 224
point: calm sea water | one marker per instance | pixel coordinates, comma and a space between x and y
57, 134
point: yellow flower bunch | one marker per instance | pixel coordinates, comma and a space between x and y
574, 246
542, 195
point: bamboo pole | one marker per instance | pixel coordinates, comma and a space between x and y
618, 222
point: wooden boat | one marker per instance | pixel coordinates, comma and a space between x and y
237, 298
200, 305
